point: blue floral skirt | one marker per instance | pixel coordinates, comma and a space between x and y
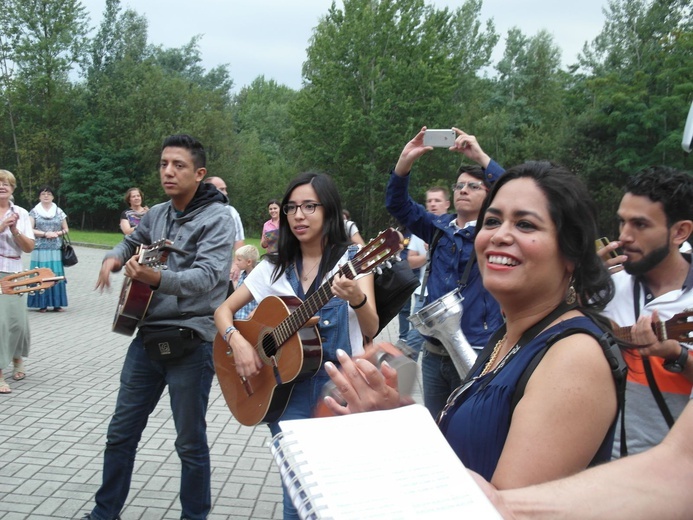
56, 296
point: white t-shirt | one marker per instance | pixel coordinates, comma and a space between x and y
418, 245
240, 234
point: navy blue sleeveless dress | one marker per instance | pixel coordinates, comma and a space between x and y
477, 425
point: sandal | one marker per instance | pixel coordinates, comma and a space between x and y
18, 373
43, 309
4, 387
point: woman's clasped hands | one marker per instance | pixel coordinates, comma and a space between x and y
363, 387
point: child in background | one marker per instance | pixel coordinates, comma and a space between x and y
246, 259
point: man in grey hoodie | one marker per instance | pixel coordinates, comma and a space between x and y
173, 345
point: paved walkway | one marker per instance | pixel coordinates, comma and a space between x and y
54, 424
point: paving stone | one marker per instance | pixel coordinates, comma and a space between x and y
54, 424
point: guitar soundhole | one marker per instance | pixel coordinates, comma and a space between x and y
269, 347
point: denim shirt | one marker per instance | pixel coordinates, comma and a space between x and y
333, 323
481, 315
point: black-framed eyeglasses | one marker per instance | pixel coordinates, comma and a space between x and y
307, 208
473, 186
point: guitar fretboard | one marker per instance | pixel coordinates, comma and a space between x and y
625, 334
386, 245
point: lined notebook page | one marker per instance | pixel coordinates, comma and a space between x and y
380, 465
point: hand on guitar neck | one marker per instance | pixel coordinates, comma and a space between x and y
142, 277
142, 273
653, 337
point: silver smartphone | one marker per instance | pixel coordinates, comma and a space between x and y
439, 138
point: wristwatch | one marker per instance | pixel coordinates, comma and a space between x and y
229, 330
678, 364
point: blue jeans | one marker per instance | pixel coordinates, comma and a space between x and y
334, 331
440, 379
403, 321
414, 338
142, 381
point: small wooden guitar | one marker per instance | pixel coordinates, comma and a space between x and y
34, 280
135, 295
287, 341
678, 328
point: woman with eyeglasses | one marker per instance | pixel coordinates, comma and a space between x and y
312, 244
16, 237
535, 247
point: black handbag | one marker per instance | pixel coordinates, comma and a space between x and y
394, 286
163, 342
69, 256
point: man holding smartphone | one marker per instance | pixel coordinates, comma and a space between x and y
452, 253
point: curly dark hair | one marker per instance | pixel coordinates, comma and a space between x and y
673, 188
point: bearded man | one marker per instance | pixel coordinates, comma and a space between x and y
655, 218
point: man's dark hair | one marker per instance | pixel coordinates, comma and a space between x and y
197, 151
672, 187
475, 171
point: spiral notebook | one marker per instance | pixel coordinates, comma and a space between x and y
392, 464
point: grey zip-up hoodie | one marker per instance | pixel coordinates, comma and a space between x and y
194, 284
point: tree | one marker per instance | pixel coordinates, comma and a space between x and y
137, 94
47, 41
266, 152
634, 94
377, 70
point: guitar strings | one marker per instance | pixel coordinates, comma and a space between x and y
299, 316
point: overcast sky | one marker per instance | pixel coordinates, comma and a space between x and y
270, 37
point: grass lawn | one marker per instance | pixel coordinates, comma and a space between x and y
105, 239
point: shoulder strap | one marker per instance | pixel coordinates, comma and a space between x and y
613, 355
526, 337
328, 262
651, 381
468, 269
431, 247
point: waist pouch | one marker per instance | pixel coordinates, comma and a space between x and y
162, 342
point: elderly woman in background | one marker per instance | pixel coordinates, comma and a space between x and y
16, 237
130, 218
50, 225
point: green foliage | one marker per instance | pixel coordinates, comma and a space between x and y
634, 97
376, 72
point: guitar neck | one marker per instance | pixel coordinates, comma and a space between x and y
299, 317
377, 251
660, 329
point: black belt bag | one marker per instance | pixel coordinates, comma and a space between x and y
164, 342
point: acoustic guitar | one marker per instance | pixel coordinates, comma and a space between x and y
287, 340
678, 327
135, 295
33, 280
